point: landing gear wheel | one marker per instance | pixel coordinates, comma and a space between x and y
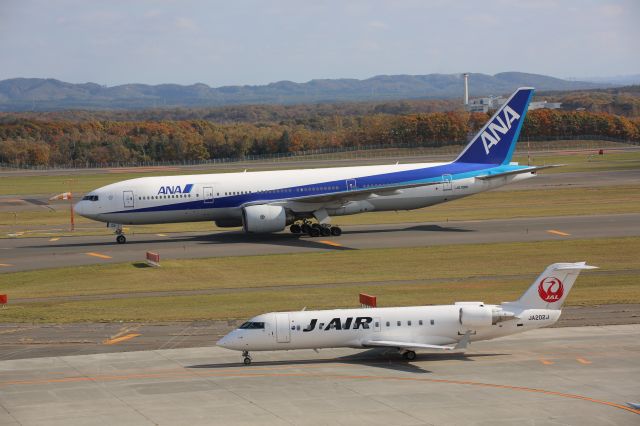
295, 228
305, 228
336, 231
316, 226
314, 232
121, 239
325, 231
409, 355
247, 361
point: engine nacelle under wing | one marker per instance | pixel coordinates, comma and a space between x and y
263, 218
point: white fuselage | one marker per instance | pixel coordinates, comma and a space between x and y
221, 197
357, 328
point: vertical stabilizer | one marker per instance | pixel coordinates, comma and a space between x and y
495, 142
551, 288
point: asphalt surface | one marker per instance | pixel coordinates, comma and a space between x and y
38, 253
20, 341
570, 376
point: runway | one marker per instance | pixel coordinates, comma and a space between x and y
577, 376
37, 253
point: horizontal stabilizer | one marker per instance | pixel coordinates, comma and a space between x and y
517, 172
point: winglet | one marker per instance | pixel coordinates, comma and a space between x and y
464, 342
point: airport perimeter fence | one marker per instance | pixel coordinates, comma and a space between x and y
349, 153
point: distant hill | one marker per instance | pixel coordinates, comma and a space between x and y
34, 94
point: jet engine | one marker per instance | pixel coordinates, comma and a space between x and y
474, 314
264, 218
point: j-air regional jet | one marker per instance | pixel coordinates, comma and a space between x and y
269, 201
407, 329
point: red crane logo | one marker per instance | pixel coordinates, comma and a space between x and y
550, 289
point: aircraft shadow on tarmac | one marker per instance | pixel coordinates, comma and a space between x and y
379, 358
238, 237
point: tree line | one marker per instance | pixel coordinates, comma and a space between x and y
40, 142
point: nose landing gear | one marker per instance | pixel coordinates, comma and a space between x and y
120, 238
247, 358
409, 355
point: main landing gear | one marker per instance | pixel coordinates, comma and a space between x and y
315, 229
409, 355
247, 358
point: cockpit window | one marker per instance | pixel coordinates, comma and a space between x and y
90, 198
252, 325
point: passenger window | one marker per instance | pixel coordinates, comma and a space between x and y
321, 326
420, 322
388, 324
399, 323
409, 323
377, 324
432, 322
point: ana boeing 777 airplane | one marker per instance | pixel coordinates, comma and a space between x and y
407, 329
265, 202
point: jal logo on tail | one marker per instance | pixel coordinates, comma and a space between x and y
550, 289
498, 127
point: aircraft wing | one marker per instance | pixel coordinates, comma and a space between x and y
516, 172
348, 195
462, 344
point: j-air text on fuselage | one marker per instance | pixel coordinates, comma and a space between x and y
407, 329
265, 202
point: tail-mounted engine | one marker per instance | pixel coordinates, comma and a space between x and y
476, 314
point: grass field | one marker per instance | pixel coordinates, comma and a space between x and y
242, 281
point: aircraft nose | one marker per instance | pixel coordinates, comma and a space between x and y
79, 208
224, 342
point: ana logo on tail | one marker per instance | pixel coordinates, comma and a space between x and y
492, 139
550, 289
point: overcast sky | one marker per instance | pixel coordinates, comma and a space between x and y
255, 42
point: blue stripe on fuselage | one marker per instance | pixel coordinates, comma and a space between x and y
424, 175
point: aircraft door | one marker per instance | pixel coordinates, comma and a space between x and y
351, 184
207, 194
447, 183
283, 329
127, 197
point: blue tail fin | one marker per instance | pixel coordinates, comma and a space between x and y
495, 142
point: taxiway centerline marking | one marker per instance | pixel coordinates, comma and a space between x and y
161, 235
54, 239
583, 361
546, 362
319, 376
6, 265
101, 256
120, 339
330, 243
562, 234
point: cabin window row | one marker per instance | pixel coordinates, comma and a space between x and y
160, 197
409, 323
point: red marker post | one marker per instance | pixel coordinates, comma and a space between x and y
4, 299
367, 301
153, 259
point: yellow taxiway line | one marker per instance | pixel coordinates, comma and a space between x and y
101, 256
120, 339
562, 234
330, 243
